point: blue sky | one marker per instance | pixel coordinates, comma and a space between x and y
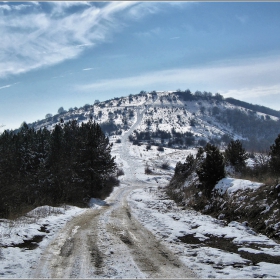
55, 54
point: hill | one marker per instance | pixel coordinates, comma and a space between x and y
179, 119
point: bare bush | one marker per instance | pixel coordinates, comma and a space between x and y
120, 172
165, 165
148, 170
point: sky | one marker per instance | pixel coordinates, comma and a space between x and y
68, 54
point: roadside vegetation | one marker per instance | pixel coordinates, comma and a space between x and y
193, 185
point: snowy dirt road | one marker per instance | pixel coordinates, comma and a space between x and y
108, 241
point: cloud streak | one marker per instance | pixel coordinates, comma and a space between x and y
7, 86
250, 78
10, 85
39, 38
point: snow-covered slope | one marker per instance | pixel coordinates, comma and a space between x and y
170, 116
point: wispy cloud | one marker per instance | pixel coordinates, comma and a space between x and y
16, 7
145, 8
40, 38
10, 85
237, 78
150, 33
257, 91
242, 18
5, 7
60, 7
139, 11
87, 69
7, 86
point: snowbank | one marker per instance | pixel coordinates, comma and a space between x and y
231, 185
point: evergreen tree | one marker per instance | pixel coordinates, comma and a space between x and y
67, 165
96, 163
187, 167
72, 140
43, 171
211, 169
8, 189
235, 155
274, 153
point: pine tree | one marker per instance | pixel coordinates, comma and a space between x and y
96, 162
56, 165
72, 140
43, 170
7, 186
235, 155
66, 165
211, 169
274, 153
187, 167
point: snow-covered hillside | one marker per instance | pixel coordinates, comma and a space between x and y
177, 119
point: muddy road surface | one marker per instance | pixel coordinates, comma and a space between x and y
108, 243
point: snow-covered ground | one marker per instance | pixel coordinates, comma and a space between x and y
17, 257
210, 247
202, 234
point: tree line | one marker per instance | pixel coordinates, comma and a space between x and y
69, 164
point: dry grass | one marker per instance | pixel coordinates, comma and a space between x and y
265, 178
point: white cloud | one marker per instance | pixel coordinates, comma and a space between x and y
38, 39
139, 11
7, 86
249, 93
5, 7
16, 7
21, 6
240, 78
150, 33
87, 69
242, 18
145, 8
60, 6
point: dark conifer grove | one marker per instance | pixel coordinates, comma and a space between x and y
69, 164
